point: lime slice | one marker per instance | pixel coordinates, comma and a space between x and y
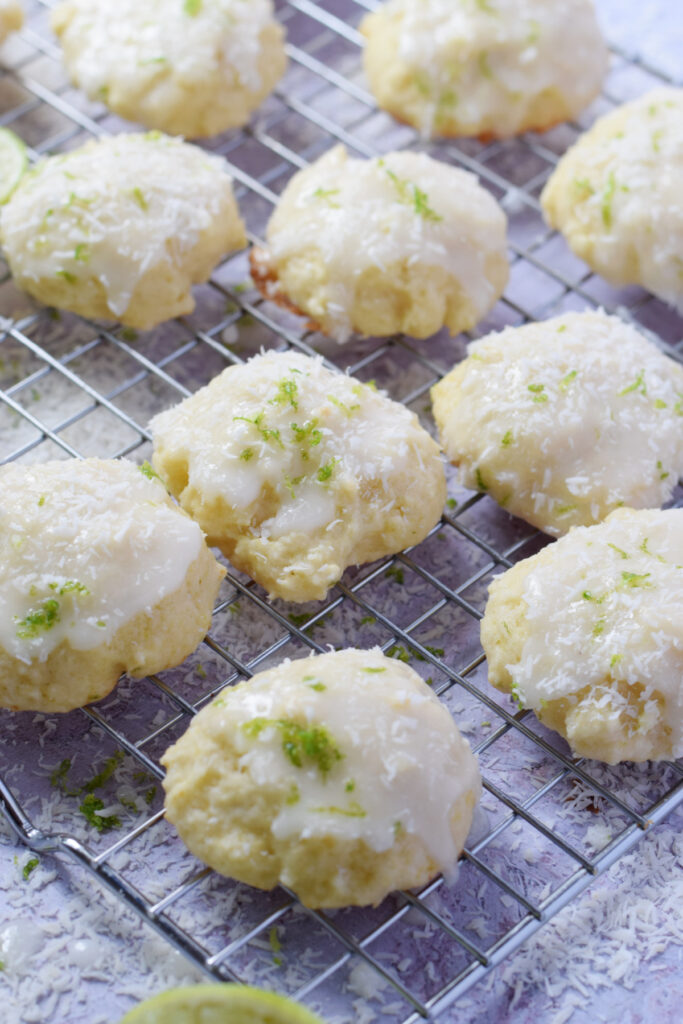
219, 1004
13, 162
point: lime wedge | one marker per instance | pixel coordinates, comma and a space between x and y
13, 162
219, 1004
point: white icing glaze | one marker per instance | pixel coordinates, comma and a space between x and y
132, 38
566, 419
616, 194
485, 61
403, 764
112, 211
348, 433
89, 544
609, 605
404, 207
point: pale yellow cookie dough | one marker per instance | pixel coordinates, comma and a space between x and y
589, 634
297, 472
341, 776
565, 420
483, 67
122, 228
403, 243
100, 573
11, 17
187, 67
616, 195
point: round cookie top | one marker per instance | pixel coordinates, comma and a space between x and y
400, 210
113, 210
170, 63
604, 612
355, 745
84, 547
564, 420
615, 195
484, 67
313, 469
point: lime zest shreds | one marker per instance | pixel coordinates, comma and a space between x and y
39, 620
637, 385
567, 379
410, 195
607, 197
192, 7
147, 470
300, 744
140, 199
325, 194
13, 162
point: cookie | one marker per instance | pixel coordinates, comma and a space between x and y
187, 68
401, 243
122, 228
296, 472
564, 420
589, 634
615, 195
101, 574
340, 776
491, 68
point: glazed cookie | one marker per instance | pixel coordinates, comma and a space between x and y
296, 472
401, 243
101, 574
122, 228
11, 17
616, 195
341, 776
188, 68
588, 633
565, 420
483, 67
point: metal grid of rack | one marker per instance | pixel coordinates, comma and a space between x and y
72, 388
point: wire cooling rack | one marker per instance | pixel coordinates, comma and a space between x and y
74, 388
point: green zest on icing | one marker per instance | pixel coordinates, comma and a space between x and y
38, 621
607, 197
192, 7
373, 670
538, 392
140, 199
324, 194
635, 579
147, 471
619, 551
567, 379
354, 810
287, 391
637, 385
410, 195
481, 485
266, 433
325, 472
507, 439
300, 743
41, 619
